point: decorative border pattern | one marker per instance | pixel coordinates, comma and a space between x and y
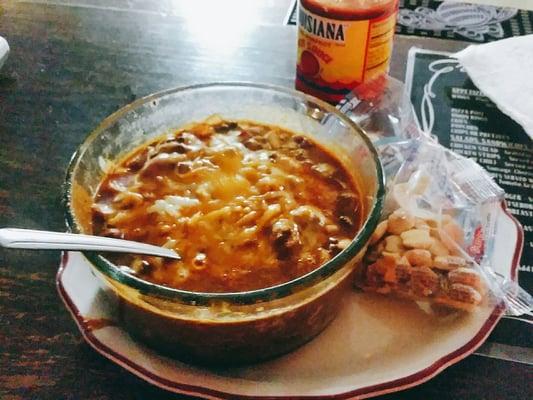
473, 22
427, 112
453, 21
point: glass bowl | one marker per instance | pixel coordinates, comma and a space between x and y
227, 328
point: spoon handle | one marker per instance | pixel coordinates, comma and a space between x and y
44, 240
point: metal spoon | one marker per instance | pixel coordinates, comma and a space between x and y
38, 240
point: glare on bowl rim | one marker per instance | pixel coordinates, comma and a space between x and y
327, 269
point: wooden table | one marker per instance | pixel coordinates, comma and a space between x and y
74, 62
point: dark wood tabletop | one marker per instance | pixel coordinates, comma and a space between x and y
72, 63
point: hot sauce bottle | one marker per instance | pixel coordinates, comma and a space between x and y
344, 45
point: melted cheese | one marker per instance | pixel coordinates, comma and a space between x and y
216, 196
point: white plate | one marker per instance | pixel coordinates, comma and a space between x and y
375, 345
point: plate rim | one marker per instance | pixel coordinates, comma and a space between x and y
392, 386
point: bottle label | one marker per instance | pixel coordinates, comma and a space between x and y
334, 56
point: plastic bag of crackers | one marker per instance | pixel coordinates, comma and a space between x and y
434, 233
435, 240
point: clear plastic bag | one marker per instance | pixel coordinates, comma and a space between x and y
431, 189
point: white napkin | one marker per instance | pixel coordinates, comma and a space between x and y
503, 71
4, 50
